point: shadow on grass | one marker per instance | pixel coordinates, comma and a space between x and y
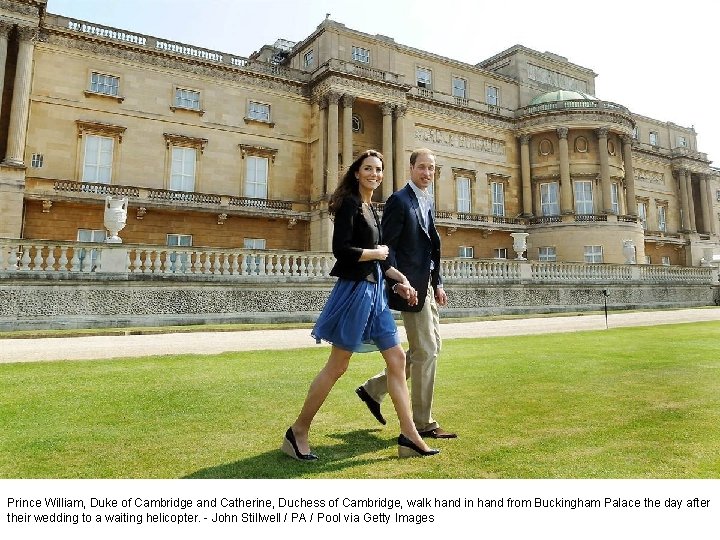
275, 464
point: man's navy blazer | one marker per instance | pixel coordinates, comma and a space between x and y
412, 248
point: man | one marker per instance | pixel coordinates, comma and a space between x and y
409, 232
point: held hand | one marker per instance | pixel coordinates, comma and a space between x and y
382, 252
407, 292
440, 296
412, 298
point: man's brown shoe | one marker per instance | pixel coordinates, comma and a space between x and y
438, 433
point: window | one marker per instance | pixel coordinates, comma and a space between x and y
88, 258
459, 87
549, 205
357, 124
36, 161
309, 59
259, 111
104, 84
184, 240
187, 99
648, 260
636, 133
256, 177
498, 198
642, 213
361, 55
492, 95
583, 197
466, 252
717, 195
665, 260
424, 77
252, 264
593, 254
682, 142
500, 253
662, 218
614, 198
178, 262
97, 159
462, 192
547, 254
653, 137
182, 172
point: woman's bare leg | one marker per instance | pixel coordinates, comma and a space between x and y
319, 389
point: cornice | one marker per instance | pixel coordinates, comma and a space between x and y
23, 7
162, 60
457, 113
358, 88
617, 123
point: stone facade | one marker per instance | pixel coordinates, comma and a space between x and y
224, 151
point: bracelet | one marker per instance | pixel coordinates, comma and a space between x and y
394, 288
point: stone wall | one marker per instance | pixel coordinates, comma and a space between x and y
36, 301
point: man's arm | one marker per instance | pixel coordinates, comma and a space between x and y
393, 222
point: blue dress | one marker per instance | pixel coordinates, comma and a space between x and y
356, 316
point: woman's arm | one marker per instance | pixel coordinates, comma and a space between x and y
402, 286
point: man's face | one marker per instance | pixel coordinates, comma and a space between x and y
423, 172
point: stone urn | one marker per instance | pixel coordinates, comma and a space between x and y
629, 251
115, 217
519, 244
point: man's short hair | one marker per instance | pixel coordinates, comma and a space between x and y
419, 152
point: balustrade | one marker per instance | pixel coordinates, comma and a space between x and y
75, 259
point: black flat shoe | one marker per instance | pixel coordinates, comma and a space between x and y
373, 405
289, 446
407, 448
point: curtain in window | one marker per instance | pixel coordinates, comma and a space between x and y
182, 176
97, 165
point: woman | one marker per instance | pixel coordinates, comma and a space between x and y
356, 317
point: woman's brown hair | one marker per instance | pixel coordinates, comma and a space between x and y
349, 184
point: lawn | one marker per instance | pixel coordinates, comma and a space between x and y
620, 403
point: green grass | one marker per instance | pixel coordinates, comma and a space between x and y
619, 403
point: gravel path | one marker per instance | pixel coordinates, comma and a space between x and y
100, 347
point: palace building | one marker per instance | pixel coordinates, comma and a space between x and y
217, 150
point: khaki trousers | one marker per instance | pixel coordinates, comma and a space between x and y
423, 334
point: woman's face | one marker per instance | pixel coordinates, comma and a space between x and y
370, 174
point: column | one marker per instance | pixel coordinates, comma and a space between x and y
319, 168
401, 166
711, 228
17, 130
691, 203
704, 204
525, 175
682, 188
5, 28
333, 99
602, 134
347, 156
387, 149
630, 202
566, 205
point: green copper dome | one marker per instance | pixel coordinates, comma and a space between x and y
561, 95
